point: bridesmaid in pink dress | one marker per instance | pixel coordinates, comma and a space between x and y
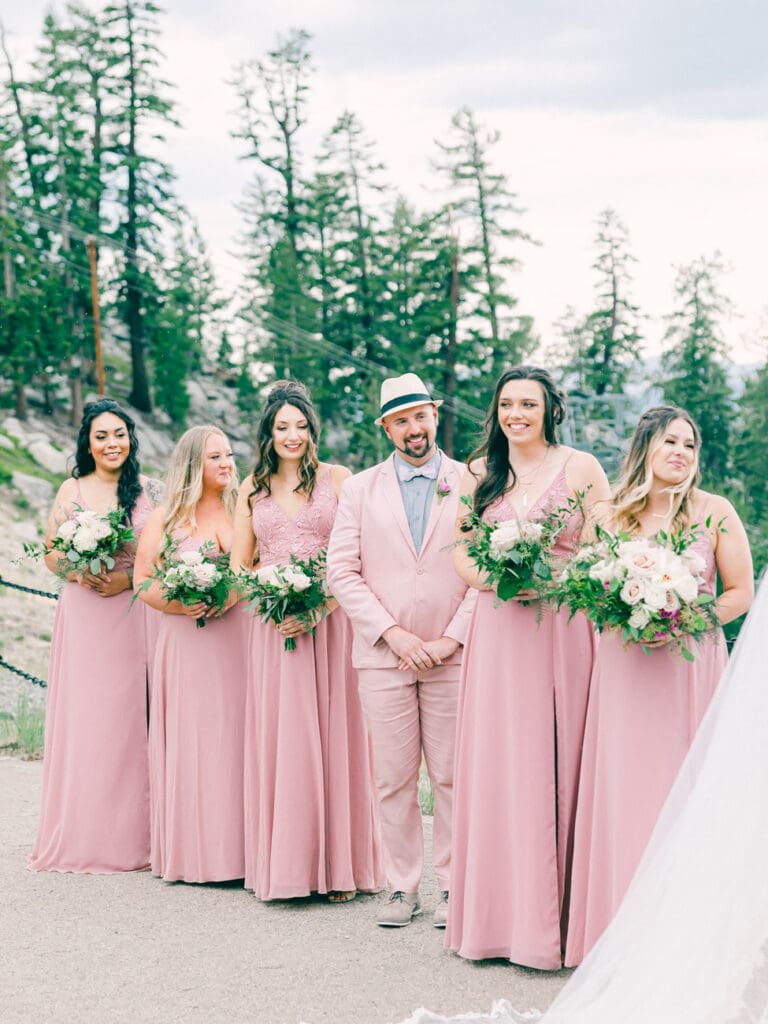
94, 813
644, 709
310, 811
525, 679
196, 723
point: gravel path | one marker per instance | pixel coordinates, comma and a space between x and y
103, 949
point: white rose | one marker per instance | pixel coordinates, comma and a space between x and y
204, 574
632, 591
640, 617
270, 574
693, 562
101, 529
191, 557
686, 587
639, 557
532, 531
296, 579
67, 530
672, 602
504, 538
84, 540
655, 595
88, 519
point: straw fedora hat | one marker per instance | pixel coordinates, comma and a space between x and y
404, 392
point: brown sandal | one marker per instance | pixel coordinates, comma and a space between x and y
336, 896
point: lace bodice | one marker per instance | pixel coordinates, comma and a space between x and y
555, 496
278, 536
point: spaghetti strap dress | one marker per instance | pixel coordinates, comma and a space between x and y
522, 706
643, 713
94, 814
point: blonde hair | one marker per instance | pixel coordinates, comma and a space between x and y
630, 494
184, 482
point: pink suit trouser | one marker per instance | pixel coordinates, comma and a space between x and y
408, 713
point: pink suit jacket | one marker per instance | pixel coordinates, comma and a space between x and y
377, 577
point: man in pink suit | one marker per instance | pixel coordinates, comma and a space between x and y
390, 569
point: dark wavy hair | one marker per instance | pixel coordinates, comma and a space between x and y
285, 392
129, 484
495, 447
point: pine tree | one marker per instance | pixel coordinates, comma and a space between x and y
272, 94
695, 376
140, 111
487, 208
181, 310
751, 445
613, 340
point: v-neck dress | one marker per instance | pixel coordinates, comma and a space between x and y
643, 713
94, 814
522, 705
311, 822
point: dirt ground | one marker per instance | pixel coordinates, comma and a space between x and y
108, 949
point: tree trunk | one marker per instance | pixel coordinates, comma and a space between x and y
140, 396
21, 408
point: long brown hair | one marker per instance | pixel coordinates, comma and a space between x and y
494, 447
285, 392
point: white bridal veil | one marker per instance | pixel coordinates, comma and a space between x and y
689, 944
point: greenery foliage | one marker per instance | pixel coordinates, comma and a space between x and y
344, 280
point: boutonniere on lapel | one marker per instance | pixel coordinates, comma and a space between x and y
442, 488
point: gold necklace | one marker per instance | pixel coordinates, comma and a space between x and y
525, 480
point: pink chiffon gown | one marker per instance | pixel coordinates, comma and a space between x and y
522, 705
310, 813
196, 735
643, 713
94, 814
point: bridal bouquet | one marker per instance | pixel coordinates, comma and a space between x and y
192, 576
515, 554
278, 591
645, 589
88, 541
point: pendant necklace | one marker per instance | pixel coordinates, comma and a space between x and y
527, 479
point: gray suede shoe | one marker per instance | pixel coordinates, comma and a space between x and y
441, 911
399, 910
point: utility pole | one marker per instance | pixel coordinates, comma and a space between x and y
449, 416
91, 245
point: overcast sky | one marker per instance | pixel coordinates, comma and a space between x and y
659, 110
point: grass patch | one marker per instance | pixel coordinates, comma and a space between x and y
426, 797
30, 725
9, 736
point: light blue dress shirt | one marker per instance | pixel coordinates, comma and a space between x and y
418, 495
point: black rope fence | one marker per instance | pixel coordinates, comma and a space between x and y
36, 680
20, 672
28, 590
